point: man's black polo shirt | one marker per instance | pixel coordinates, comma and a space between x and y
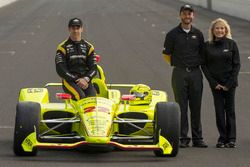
184, 48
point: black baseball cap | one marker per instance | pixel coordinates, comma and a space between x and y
75, 22
186, 7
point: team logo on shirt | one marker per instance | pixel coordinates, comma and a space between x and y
69, 45
193, 36
84, 51
225, 50
83, 48
77, 57
70, 50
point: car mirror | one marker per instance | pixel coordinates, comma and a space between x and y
63, 96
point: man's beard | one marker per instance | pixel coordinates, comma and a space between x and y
186, 21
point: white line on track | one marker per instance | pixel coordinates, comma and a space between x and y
15, 42
38, 26
12, 53
23, 41
27, 33
163, 32
6, 2
6, 127
247, 72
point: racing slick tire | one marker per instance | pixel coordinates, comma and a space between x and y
27, 117
167, 122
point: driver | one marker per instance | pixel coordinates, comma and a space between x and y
142, 93
76, 62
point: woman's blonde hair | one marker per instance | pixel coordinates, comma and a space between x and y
211, 36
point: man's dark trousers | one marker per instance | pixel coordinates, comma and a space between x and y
187, 86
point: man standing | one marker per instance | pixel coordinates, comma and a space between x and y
182, 49
76, 62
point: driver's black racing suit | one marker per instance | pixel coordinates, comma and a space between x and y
76, 60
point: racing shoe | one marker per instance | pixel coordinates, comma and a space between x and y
200, 144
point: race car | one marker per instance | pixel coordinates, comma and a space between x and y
141, 119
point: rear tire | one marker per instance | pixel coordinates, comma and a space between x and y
167, 120
27, 116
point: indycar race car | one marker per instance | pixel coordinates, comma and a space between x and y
141, 119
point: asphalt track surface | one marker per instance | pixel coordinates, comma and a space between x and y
129, 35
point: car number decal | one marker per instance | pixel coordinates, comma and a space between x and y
35, 90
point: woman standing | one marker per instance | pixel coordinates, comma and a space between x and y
221, 68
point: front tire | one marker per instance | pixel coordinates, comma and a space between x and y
167, 121
27, 117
